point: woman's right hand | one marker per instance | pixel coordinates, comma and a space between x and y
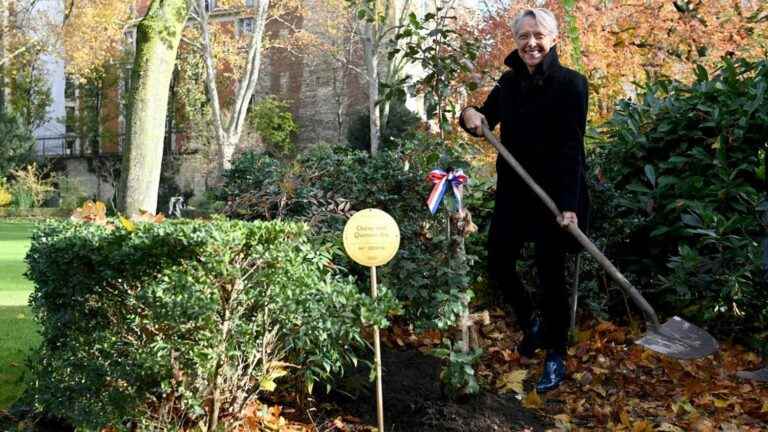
473, 120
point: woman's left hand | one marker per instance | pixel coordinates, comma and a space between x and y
568, 218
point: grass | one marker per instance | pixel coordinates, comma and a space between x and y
18, 331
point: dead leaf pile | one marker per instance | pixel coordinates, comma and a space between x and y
96, 212
614, 384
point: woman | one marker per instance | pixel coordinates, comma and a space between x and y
542, 109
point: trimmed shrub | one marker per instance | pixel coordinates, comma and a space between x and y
679, 203
181, 322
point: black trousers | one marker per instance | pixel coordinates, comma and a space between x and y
553, 295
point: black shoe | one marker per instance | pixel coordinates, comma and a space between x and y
531, 339
554, 373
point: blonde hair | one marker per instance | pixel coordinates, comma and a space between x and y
543, 17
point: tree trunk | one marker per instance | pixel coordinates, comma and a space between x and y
5, 104
228, 131
157, 40
372, 70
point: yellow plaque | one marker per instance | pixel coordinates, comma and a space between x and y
371, 237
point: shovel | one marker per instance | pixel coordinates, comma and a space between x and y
675, 338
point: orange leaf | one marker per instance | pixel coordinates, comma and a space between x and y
642, 426
624, 417
533, 400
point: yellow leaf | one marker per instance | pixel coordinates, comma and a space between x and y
719, 403
765, 407
532, 400
127, 224
512, 381
624, 416
642, 426
267, 382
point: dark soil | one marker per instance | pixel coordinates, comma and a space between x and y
413, 401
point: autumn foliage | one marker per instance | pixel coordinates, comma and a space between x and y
620, 43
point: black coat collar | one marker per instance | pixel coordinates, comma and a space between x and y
549, 64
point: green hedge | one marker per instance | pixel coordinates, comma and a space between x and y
145, 325
682, 194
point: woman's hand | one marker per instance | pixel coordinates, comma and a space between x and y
569, 218
473, 120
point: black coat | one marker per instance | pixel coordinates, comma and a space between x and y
543, 117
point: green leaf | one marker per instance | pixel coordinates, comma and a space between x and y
650, 174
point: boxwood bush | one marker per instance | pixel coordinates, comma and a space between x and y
184, 322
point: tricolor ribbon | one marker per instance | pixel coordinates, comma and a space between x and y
441, 179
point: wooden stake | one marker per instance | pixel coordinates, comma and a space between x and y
377, 348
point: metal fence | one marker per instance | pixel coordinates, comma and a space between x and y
74, 146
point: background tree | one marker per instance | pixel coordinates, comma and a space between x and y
436, 45
157, 40
232, 59
620, 45
379, 22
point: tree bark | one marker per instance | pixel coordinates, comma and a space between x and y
4, 96
228, 131
370, 50
157, 40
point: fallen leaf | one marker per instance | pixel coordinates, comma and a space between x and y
642, 426
669, 427
583, 378
127, 224
338, 424
532, 400
512, 381
624, 417
563, 422
702, 425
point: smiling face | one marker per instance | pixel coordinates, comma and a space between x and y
533, 42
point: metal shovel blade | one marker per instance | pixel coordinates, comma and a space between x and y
679, 339
758, 375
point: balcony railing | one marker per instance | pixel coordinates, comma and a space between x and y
76, 146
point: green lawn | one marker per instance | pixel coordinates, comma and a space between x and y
18, 331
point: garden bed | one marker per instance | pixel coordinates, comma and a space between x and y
413, 401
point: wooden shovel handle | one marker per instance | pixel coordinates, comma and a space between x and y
650, 315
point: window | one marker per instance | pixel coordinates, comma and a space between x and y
245, 25
69, 88
130, 39
69, 128
69, 121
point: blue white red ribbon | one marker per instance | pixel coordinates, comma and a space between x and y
441, 179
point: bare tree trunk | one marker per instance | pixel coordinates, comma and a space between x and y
370, 50
157, 40
4, 96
